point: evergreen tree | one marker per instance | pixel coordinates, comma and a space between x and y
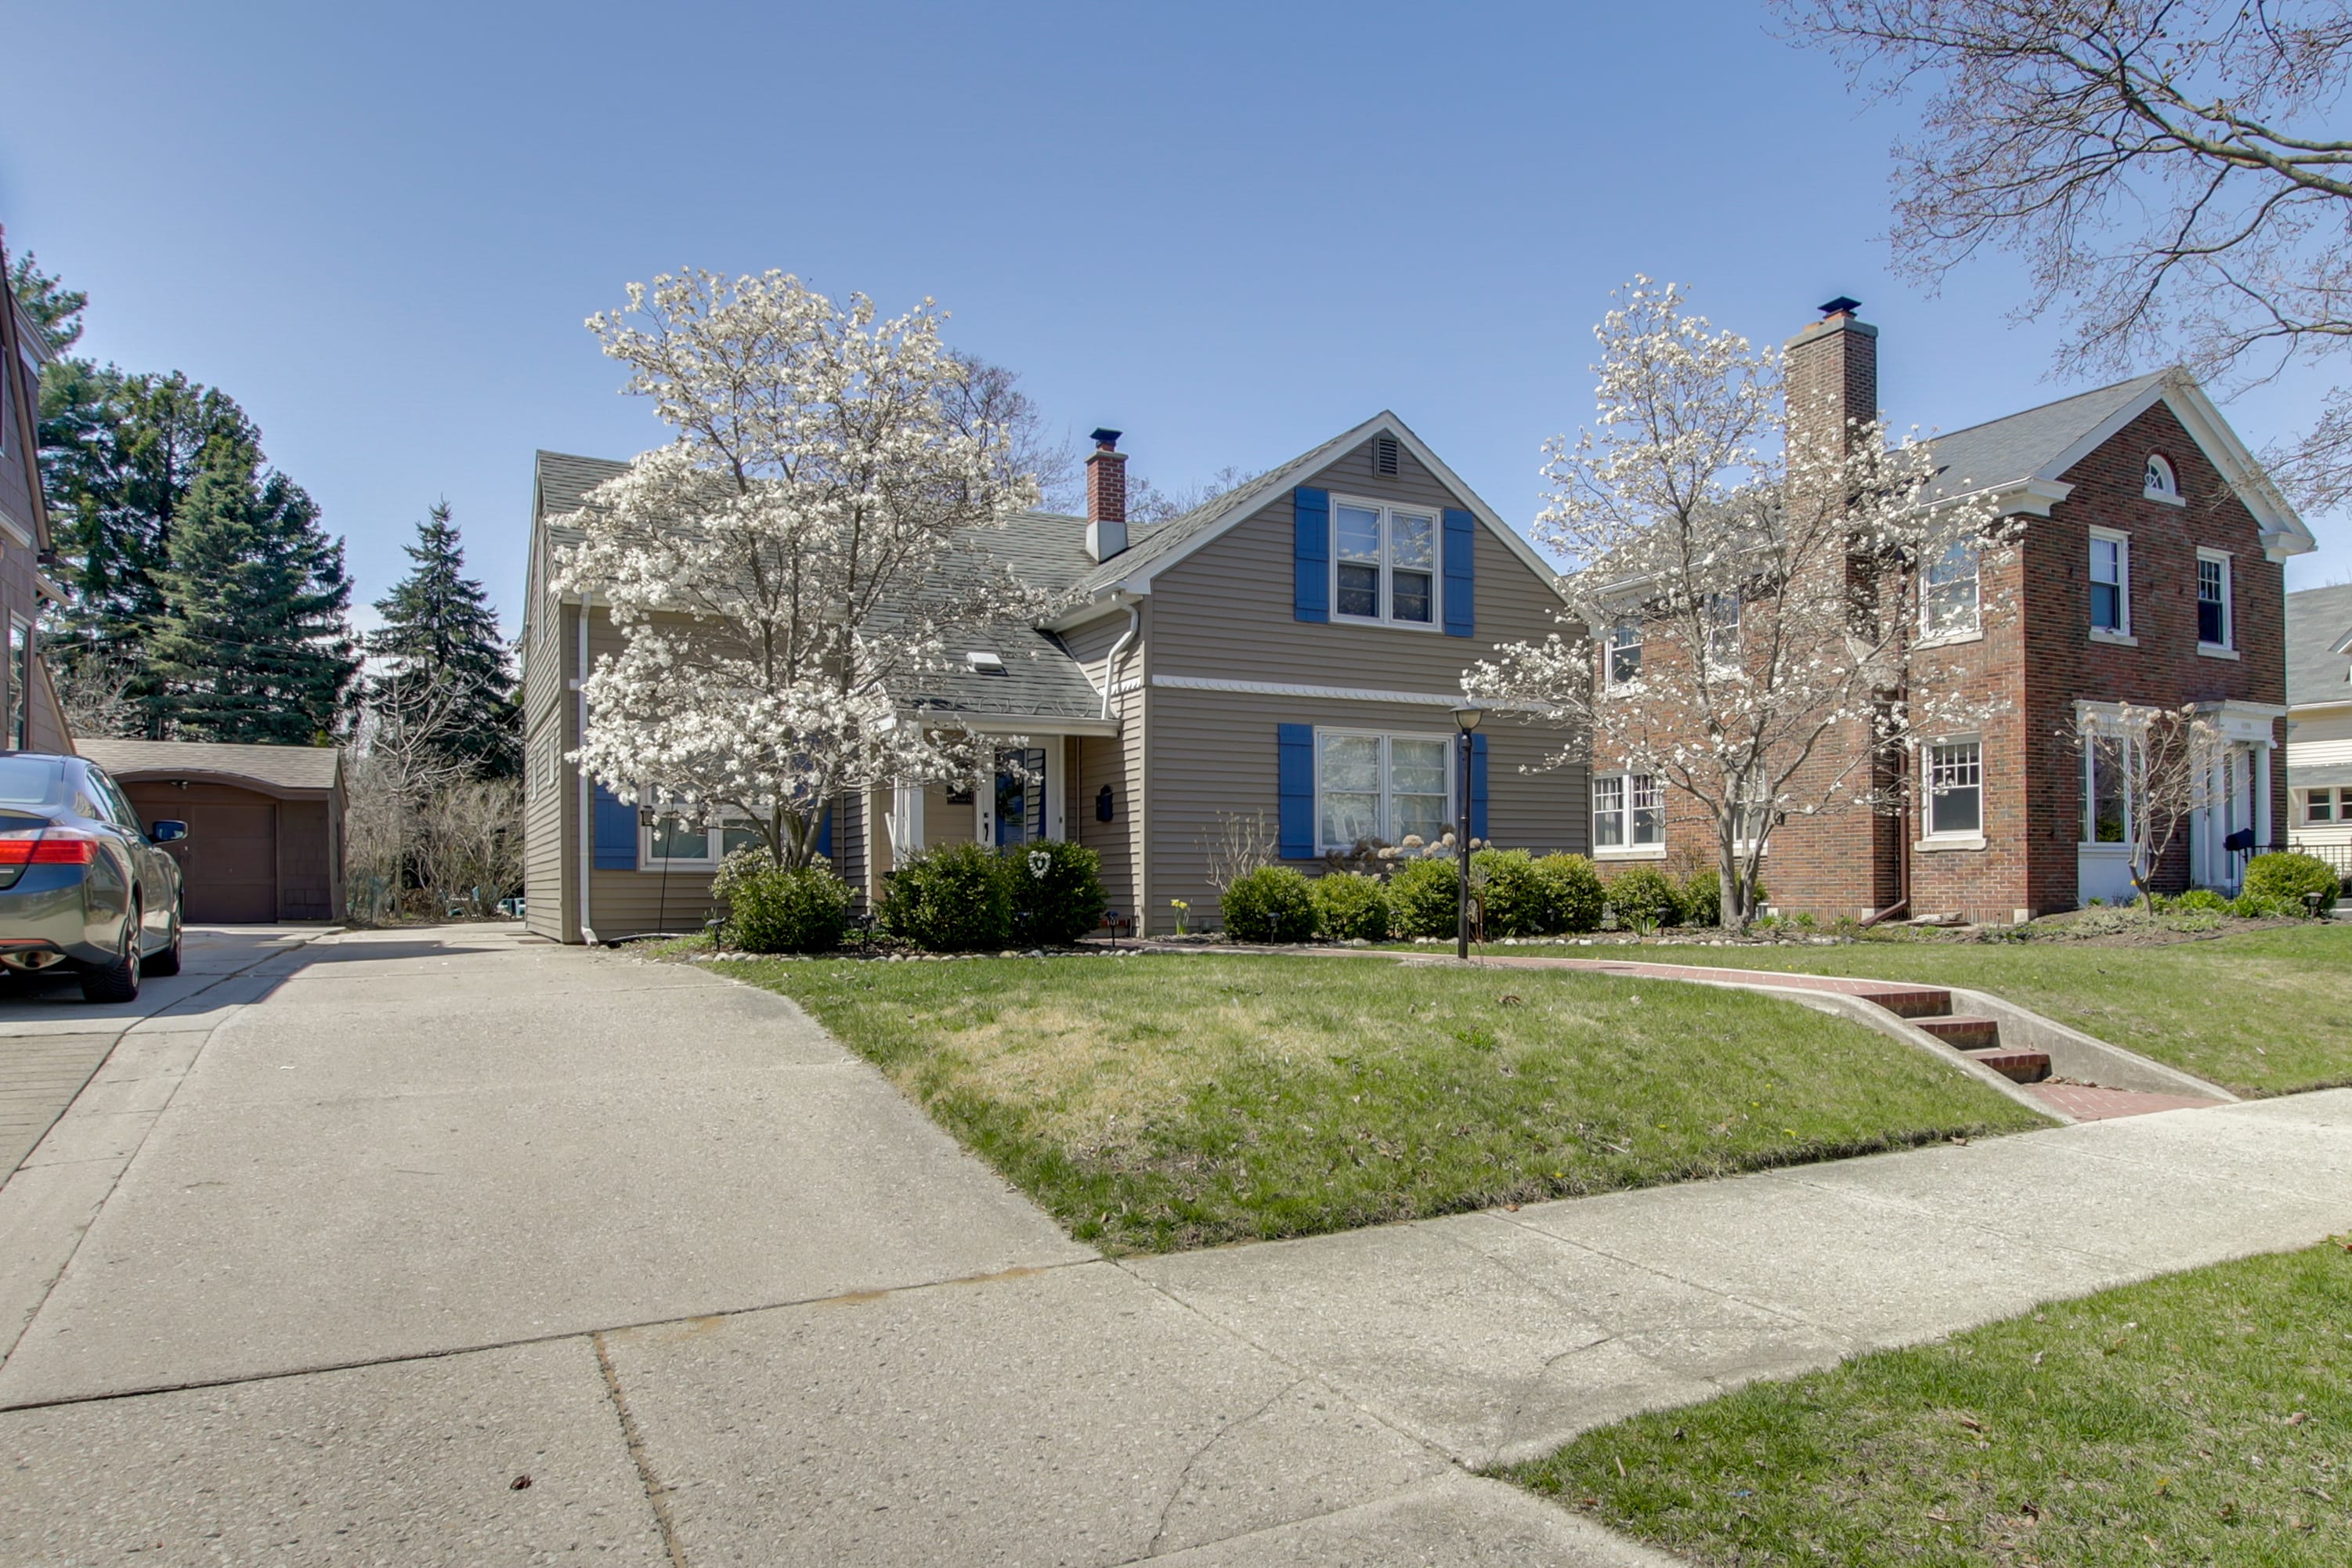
55, 309
442, 653
251, 644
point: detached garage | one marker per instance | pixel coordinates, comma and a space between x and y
265, 824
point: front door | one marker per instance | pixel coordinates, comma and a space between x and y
1020, 800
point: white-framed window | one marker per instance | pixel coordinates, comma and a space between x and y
1954, 807
683, 837
1370, 785
2323, 806
1629, 812
2158, 482
1384, 564
1722, 620
2110, 582
2213, 627
1951, 600
1623, 654
1751, 811
2107, 805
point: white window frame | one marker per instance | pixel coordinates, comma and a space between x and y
2122, 632
1930, 834
2167, 490
2098, 725
2339, 801
2229, 642
1609, 647
1384, 829
1931, 634
720, 818
1724, 647
1389, 512
1629, 847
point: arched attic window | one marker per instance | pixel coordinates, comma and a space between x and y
2159, 483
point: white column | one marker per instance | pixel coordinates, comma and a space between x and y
2261, 795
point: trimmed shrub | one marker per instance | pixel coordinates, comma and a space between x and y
1057, 891
949, 899
774, 910
1702, 898
1351, 906
1575, 892
2288, 877
1643, 898
1273, 903
1423, 895
1516, 895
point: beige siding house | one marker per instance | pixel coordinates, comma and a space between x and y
1290, 652
2319, 724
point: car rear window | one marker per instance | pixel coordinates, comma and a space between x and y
31, 780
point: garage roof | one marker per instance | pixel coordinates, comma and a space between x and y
277, 768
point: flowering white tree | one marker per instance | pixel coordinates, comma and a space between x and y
1752, 601
795, 559
2151, 769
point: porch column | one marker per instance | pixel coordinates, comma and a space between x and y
2261, 795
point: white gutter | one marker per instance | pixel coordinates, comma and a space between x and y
587, 784
1111, 661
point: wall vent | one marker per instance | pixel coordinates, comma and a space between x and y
1384, 456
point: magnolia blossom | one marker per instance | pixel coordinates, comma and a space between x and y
794, 560
1764, 594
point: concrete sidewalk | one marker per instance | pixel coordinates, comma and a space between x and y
426, 1215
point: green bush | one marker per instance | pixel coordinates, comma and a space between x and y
2288, 877
1702, 898
1424, 894
1643, 898
949, 899
1057, 891
1575, 893
774, 910
1273, 903
2252, 906
1351, 905
1514, 893
2199, 898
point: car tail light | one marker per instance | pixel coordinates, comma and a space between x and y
58, 847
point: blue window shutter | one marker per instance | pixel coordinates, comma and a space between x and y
824, 833
1297, 791
1310, 554
1461, 587
616, 832
1478, 786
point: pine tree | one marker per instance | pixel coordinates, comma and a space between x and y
442, 652
55, 309
252, 645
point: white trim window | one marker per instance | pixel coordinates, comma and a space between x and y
2107, 805
2110, 583
1629, 814
680, 837
2158, 482
1382, 787
1621, 656
1384, 564
1954, 807
2321, 807
2213, 596
1722, 623
1951, 594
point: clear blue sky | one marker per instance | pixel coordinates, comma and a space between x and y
1229, 230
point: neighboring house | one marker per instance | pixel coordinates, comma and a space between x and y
2319, 719
1290, 652
264, 838
2147, 573
30, 717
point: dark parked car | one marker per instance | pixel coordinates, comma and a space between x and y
81, 882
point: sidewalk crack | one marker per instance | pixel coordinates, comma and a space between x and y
657, 1494
1184, 1477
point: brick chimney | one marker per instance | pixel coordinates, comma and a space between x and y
1831, 371
1105, 497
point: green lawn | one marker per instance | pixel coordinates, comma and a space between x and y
2267, 1011
1161, 1102
2203, 1418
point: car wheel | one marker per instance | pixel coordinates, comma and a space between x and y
168, 961
118, 980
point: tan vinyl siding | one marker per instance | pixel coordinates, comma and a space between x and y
1216, 754
551, 784
945, 824
1096, 760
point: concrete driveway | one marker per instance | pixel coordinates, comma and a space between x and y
452, 1247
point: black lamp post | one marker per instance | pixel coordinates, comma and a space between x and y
1465, 719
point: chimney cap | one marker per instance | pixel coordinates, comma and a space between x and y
1842, 305
1106, 439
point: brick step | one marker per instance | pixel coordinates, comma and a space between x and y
2015, 1063
1913, 1002
1965, 1034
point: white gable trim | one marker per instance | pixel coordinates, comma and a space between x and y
1290, 475
2283, 534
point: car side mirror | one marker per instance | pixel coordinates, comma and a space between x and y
167, 831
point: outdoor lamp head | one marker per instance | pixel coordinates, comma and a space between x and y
1467, 718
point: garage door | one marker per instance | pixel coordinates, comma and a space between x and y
231, 862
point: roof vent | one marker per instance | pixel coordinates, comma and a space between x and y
1384, 456
983, 662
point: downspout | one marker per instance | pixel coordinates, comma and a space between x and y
587, 784
1111, 661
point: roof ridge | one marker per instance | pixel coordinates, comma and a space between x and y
2038, 408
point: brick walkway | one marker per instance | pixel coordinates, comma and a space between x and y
2088, 1102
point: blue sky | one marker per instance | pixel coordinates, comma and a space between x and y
1228, 230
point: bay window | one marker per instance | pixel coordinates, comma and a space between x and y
1384, 565
1381, 788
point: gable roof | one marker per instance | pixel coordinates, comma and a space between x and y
2034, 448
560, 483
276, 767
2319, 645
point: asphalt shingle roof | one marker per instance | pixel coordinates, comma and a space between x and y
285, 767
2316, 618
2020, 446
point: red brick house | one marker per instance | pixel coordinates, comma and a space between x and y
2147, 572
